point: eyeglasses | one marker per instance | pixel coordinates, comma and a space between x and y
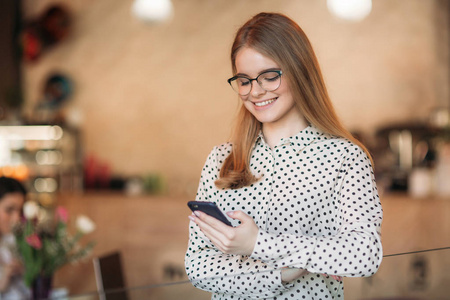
268, 80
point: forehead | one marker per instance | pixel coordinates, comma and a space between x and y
251, 62
12, 199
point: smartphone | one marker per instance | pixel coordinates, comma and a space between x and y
209, 208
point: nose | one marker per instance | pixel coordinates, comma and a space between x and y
257, 90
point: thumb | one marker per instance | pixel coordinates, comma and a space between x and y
239, 215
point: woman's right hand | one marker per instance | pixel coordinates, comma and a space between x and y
239, 240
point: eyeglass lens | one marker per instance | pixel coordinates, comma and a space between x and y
269, 81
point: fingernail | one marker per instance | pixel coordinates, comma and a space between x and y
191, 218
197, 213
230, 213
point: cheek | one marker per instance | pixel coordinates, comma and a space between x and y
5, 226
248, 105
284, 88
4, 218
244, 98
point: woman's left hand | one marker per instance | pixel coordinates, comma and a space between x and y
238, 240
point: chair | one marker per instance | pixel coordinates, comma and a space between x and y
109, 277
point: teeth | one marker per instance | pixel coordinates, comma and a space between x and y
264, 102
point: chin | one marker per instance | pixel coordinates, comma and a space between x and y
266, 119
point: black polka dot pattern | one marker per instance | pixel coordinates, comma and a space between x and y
317, 208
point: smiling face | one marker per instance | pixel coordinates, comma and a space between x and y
273, 108
10, 211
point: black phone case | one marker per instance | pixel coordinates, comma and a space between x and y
209, 208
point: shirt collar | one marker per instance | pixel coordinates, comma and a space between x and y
301, 140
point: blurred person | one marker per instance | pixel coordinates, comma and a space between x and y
297, 186
12, 198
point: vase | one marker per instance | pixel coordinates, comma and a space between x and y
41, 287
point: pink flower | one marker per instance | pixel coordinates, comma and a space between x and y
34, 241
62, 214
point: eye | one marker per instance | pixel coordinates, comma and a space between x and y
9, 210
242, 81
270, 76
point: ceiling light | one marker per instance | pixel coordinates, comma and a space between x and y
152, 11
353, 10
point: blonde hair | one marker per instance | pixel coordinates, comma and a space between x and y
280, 38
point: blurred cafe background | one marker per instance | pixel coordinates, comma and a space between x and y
110, 107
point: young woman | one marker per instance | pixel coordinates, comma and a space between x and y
12, 197
298, 187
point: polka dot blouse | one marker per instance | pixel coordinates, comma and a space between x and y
317, 208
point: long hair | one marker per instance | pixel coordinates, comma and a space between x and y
281, 39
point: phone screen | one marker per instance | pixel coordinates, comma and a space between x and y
209, 208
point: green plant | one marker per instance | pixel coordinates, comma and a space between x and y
44, 242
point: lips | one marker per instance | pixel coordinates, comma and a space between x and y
265, 102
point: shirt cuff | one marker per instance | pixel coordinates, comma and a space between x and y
281, 251
277, 283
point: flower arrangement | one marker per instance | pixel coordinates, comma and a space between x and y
44, 242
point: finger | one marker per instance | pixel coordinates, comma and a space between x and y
218, 243
305, 272
213, 222
216, 236
336, 277
239, 215
221, 235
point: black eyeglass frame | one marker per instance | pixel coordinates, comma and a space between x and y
230, 80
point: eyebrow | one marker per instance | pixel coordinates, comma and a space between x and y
266, 70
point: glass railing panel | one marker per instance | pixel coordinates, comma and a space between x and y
420, 275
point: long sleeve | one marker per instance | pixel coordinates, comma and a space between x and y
355, 250
211, 270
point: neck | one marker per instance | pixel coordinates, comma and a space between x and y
274, 132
